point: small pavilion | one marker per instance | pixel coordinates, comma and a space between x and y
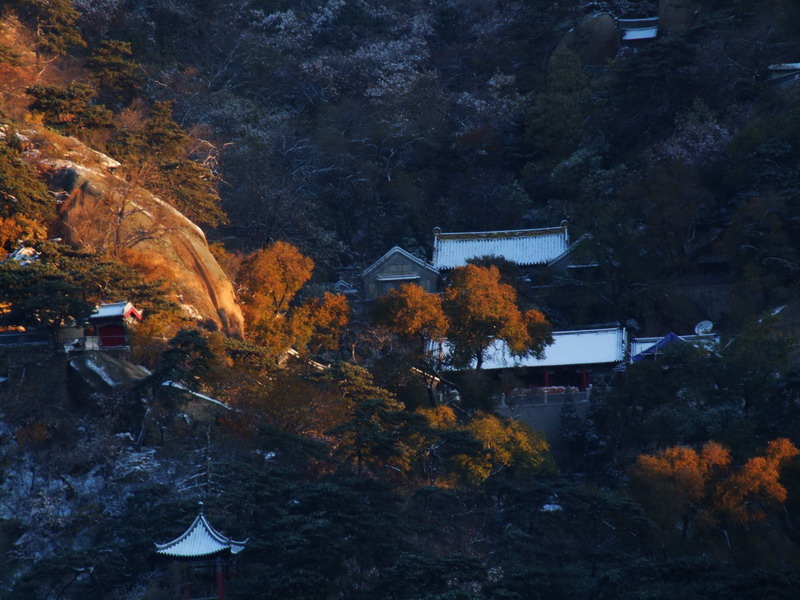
112, 322
205, 560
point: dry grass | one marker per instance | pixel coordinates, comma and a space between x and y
16, 78
50, 145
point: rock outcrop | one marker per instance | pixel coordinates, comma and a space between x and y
595, 39
678, 16
100, 373
105, 211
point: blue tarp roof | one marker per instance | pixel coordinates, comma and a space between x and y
658, 347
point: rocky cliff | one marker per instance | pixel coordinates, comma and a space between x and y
104, 209
679, 16
595, 39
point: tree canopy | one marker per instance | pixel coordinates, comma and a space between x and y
481, 308
270, 280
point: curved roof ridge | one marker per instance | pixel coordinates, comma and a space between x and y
200, 539
406, 253
500, 233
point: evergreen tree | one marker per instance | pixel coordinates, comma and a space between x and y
163, 147
54, 22
21, 190
118, 77
70, 109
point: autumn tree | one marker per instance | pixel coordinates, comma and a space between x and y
270, 280
504, 445
271, 277
16, 229
411, 312
754, 490
680, 484
318, 323
454, 452
676, 482
481, 309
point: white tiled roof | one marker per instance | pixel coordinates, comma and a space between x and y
200, 540
115, 309
640, 33
585, 347
521, 246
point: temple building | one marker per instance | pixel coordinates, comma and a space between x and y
112, 323
205, 561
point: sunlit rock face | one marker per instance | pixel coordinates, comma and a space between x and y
678, 16
105, 212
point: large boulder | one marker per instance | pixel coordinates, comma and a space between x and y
103, 211
100, 373
595, 39
678, 16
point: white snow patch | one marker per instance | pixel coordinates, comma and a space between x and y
180, 386
191, 312
101, 372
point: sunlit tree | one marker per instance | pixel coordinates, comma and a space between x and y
481, 308
755, 488
410, 311
270, 280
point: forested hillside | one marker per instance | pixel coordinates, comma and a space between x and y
221, 164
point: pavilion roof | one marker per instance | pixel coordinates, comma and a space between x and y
200, 540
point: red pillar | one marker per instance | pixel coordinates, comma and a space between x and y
547, 379
220, 587
585, 378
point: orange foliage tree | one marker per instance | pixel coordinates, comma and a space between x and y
678, 484
318, 323
755, 488
469, 453
269, 282
410, 311
675, 482
481, 308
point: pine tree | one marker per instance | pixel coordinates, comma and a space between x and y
55, 23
